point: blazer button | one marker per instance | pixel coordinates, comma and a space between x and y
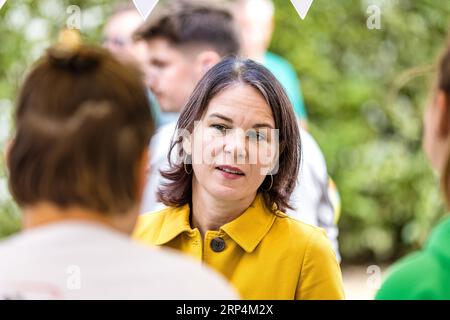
217, 244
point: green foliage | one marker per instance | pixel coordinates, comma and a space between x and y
366, 113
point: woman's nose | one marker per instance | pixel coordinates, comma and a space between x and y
235, 144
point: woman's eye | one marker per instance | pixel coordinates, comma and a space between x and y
256, 135
219, 127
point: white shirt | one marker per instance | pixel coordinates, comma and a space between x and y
159, 149
81, 260
311, 197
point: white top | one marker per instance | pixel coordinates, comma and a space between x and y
77, 260
159, 149
310, 197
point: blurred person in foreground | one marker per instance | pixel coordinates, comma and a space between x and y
77, 167
425, 275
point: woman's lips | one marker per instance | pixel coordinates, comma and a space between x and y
230, 172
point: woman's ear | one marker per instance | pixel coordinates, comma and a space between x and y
187, 145
271, 163
443, 114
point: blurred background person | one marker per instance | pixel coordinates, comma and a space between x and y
425, 275
118, 34
77, 167
118, 39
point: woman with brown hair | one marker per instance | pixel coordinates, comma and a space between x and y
77, 167
236, 159
426, 275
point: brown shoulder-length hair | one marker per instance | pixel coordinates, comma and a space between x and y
177, 191
443, 84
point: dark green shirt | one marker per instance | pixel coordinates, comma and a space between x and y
424, 275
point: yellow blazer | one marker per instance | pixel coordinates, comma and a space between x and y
264, 254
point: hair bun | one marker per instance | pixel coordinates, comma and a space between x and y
71, 55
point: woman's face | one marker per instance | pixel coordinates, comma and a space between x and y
234, 145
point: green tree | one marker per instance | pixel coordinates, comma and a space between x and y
365, 91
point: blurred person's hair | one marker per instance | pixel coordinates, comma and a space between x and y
227, 73
443, 84
83, 123
193, 23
